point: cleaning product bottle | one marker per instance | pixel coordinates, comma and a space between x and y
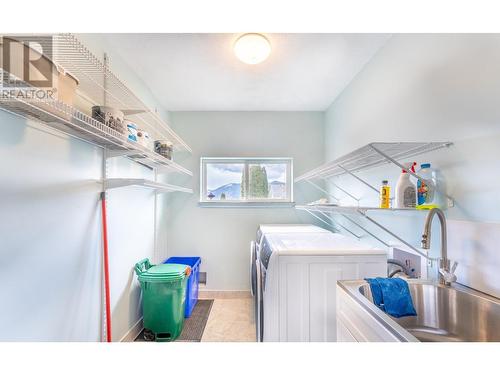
427, 186
385, 195
406, 194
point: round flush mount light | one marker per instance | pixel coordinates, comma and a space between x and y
252, 48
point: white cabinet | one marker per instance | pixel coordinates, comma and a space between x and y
343, 334
357, 324
307, 292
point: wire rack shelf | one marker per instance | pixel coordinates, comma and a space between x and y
97, 85
114, 183
370, 156
69, 120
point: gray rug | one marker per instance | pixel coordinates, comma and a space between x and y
194, 326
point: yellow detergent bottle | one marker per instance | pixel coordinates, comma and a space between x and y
385, 195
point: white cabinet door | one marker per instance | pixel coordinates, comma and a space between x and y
308, 292
362, 326
343, 334
323, 279
294, 301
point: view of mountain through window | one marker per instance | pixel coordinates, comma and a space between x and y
224, 181
247, 180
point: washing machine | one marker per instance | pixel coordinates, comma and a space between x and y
286, 228
297, 274
262, 230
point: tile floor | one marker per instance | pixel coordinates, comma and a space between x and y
230, 320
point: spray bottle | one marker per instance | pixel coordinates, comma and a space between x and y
406, 193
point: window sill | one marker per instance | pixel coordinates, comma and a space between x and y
246, 204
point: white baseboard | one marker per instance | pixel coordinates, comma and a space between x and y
133, 332
223, 294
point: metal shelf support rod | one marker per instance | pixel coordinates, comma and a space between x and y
340, 225
395, 236
345, 192
365, 230
116, 153
320, 219
394, 161
323, 190
359, 179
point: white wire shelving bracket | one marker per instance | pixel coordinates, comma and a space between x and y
344, 211
331, 222
97, 85
323, 190
115, 183
370, 156
342, 226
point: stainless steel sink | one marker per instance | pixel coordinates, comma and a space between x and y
447, 314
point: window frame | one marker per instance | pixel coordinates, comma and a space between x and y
204, 160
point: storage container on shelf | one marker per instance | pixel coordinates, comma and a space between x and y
192, 287
164, 148
110, 117
131, 130
144, 139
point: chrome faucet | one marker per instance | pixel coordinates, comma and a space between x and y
446, 275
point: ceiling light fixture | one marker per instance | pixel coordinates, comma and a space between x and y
252, 48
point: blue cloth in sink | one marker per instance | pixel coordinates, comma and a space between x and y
392, 296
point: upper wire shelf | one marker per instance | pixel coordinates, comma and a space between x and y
102, 87
370, 156
97, 85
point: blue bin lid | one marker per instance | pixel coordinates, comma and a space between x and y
190, 261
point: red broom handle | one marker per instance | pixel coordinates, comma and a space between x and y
106, 266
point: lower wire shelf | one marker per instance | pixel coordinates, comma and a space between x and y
350, 209
69, 120
114, 183
345, 211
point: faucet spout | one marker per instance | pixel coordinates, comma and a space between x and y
445, 276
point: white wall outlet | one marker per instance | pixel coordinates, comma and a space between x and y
450, 202
411, 261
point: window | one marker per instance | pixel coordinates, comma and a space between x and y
246, 180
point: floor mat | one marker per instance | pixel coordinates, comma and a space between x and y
194, 326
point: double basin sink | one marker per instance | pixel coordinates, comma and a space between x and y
444, 314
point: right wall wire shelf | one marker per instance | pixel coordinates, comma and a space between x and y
370, 156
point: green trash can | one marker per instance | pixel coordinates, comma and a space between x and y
163, 297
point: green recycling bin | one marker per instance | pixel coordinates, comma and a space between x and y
163, 297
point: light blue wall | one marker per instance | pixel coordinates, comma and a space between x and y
431, 88
49, 235
50, 229
221, 236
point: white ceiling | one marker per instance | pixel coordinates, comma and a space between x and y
199, 72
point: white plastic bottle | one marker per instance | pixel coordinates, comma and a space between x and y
406, 193
426, 187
